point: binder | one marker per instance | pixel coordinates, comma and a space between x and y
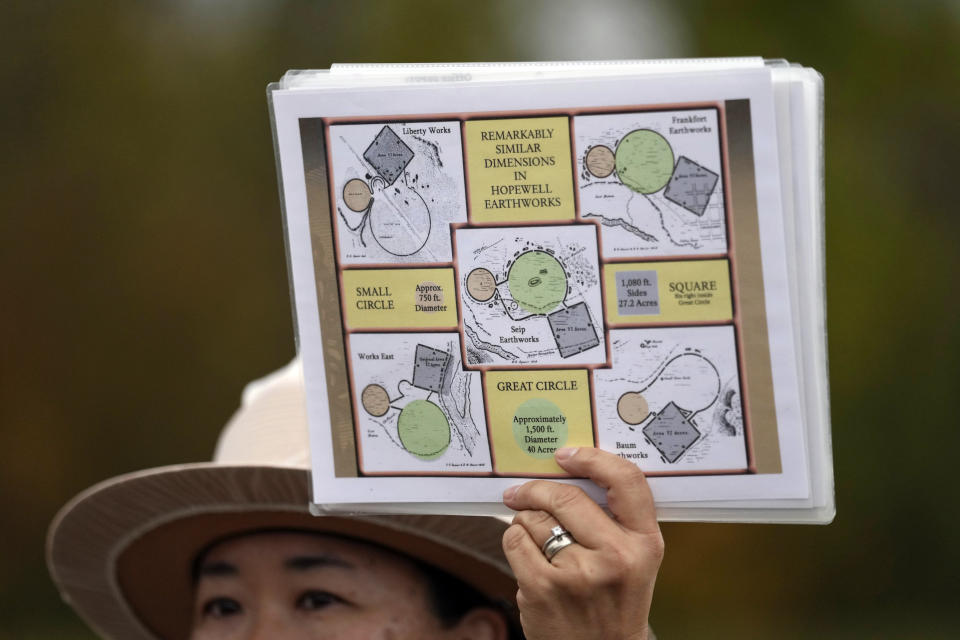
492, 260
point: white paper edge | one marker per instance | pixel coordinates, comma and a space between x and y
290, 105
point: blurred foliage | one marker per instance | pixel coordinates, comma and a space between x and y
144, 278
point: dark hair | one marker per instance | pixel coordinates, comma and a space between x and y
452, 598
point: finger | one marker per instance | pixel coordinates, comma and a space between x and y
523, 554
628, 492
540, 525
574, 510
537, 523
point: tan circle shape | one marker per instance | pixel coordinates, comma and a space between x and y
481, 285
600, 161
632, 408
375, 400
356, 194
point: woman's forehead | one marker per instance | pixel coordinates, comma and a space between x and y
302, 550
362, 571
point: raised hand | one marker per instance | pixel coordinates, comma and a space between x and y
601, 586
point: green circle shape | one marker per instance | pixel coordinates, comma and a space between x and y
644, 161
535, 425
424, 429
537, 282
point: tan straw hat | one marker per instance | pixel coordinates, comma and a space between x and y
121, 552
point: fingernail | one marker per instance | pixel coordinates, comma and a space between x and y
565, 452
509, 493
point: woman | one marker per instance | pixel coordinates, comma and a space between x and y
228, 549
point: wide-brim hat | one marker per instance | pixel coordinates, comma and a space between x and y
121, 552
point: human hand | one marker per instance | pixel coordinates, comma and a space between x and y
602, 586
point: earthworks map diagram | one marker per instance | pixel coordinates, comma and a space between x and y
653, 180
398, 188
418, 408
490, 316
531, 295
672, 398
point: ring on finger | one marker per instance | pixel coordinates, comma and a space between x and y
559, 540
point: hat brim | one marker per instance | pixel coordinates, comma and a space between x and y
121, 552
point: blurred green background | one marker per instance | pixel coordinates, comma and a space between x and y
144, 280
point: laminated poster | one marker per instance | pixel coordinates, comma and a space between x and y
485, 273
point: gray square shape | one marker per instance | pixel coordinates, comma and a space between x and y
429, 367
637, 293
573, 330
388, 154
691, 186
671, 433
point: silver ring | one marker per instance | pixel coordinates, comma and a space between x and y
559, 539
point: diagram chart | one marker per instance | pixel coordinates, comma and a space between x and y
531, 295
510, 285
398, 188
674, 401
653, 181
418, 407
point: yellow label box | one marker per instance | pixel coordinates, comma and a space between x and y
399, 298
650, 292
519, 169
532, 413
